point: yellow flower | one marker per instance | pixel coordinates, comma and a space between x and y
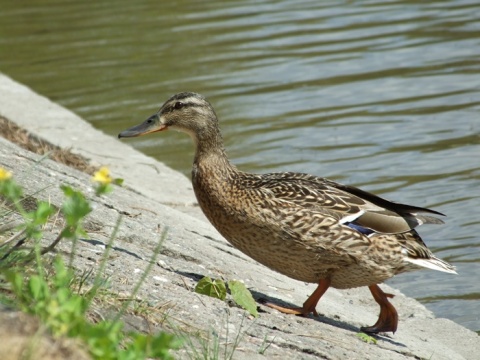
102, 176
5, 174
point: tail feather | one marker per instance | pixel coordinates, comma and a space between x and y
433, 263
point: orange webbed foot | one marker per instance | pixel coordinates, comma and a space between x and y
388, 318
309, 305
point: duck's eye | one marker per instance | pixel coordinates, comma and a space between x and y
178, 105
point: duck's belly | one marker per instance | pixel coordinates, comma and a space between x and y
302, 262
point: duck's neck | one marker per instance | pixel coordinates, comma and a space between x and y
210, 156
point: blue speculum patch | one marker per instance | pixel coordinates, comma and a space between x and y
360, 229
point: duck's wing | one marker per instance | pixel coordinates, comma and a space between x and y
350, 205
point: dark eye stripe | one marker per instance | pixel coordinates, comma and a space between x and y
184, 100
177, 105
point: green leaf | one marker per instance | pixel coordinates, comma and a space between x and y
75, 207
243, 297
103, 189
367, 338
118, 182
161, 344
44, 210
214, 288
16, 281
32, 231
63, 295
11, 190
37, 286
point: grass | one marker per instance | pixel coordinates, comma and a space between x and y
48, 289
214, 344
265, 344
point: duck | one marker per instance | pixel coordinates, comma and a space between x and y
306, 227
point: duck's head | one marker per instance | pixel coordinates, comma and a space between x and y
186, 112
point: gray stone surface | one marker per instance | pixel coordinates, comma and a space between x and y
193, 249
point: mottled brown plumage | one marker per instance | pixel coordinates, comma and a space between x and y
305, 227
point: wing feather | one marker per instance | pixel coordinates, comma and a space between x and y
342, 201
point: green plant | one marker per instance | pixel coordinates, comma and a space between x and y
62, 311
239, 292
265, 344
73, 210
46, 292
366, 338
209, 346
242, 296
213, 288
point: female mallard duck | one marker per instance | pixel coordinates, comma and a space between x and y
305, 227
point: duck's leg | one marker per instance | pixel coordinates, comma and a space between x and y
309, 305
388, 318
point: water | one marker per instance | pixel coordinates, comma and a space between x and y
382, 95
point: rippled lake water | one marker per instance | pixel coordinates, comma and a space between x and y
379, 94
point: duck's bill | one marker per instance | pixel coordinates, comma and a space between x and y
151, 125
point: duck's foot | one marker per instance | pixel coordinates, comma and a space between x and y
388, 318
309, 305
295, 310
